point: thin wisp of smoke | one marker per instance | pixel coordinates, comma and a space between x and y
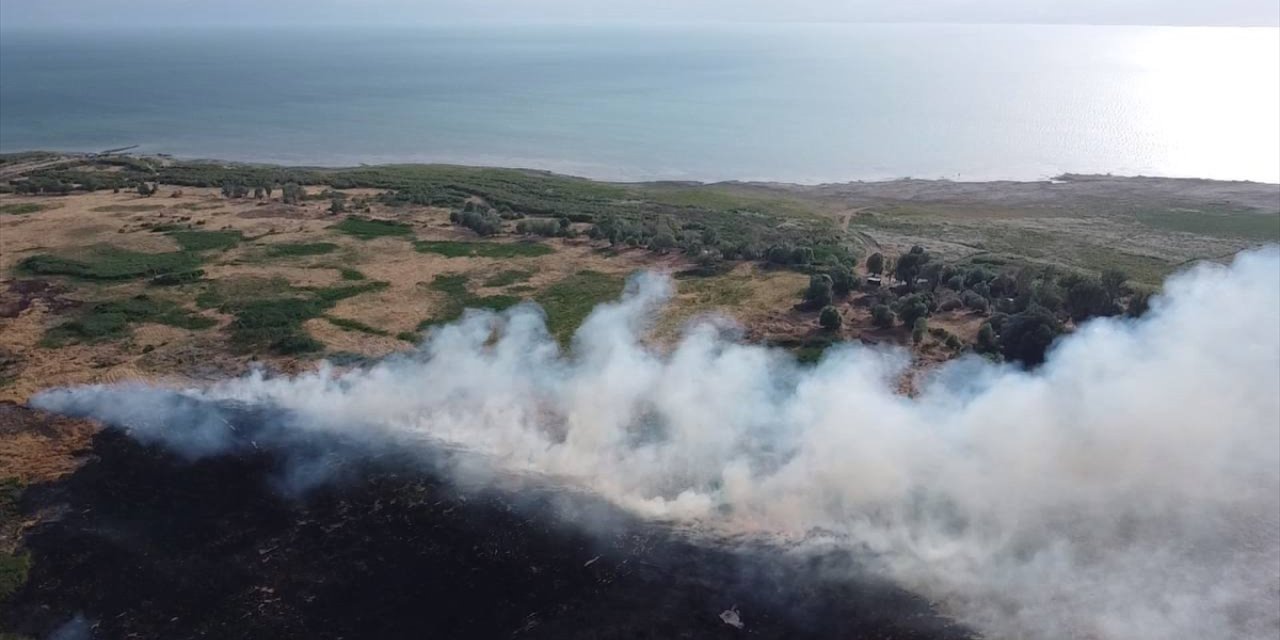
1128, 488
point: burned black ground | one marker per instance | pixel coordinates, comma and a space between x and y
144, 544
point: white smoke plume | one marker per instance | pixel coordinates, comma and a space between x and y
1129, 488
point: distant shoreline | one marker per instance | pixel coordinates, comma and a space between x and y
1067, 177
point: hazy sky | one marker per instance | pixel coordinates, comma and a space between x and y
144, 13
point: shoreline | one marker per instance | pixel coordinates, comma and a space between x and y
1059, 178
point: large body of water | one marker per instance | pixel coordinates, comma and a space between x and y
803, 103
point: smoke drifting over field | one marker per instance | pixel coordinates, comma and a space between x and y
1129, 488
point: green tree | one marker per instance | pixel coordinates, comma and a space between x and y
882, 316
918, 330
843, 280
1087, 298
1139, 303
802, 256
819, 293
1113, 283
662, 242
910, 265
292, 193
974, 301
987, 341
779, 254
234, 189
875, 263
830, 318
912, 308
1026, 336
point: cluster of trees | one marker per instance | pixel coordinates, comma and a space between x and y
40, 184
558, 228
1029, 307
290, 193
485, 223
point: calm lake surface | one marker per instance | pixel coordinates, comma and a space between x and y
804, 103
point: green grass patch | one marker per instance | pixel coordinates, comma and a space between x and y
334, 294
104, 262
112, 319
127, 208
22, 208
1253, 226
177, 278
716, 291
1139, 268
351, 274
199, 240
409, 336
300, 249
220, 293
269, 313
719, 197
14, 568
508, 277
368, 229
451, 249
569, 301
457, 298
355, 325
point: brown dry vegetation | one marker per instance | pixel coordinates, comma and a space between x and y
158, 352
1147, 227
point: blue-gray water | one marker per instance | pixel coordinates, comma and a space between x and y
782, 102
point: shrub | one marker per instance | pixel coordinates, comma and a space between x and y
987, 342
234, 189
830, 318
1139, 302
544, 228
819, 292
919, 329
843, 280
882, 316
1026, 336
485, 224
910, 264
1113, 282
974, 301
950, 303
292, 193
912, 308
875, 263
1087, 298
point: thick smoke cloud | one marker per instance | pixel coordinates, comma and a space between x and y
1129, 488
